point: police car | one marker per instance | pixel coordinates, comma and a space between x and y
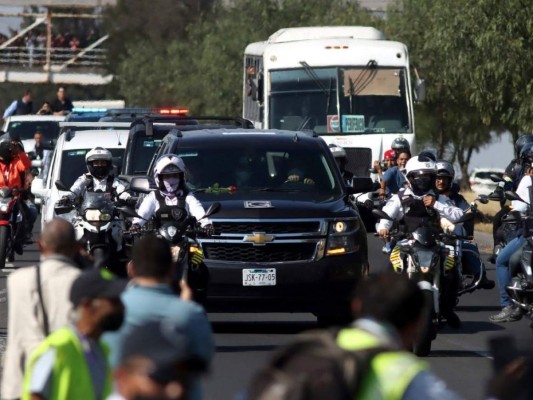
68, 162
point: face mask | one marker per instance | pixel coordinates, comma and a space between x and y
112, 322
171, 184
100, 172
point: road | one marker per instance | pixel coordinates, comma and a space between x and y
245, 341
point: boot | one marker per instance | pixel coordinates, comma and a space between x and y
486, 283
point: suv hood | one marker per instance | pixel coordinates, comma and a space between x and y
253, 205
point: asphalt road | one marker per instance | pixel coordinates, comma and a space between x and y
245, 341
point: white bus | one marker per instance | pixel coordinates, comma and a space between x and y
346, 83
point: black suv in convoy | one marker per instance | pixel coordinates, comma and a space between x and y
287, 238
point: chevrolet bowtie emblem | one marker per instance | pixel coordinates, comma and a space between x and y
259, 238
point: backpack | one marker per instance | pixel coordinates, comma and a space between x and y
313, 367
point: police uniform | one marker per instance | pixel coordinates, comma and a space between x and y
88, 182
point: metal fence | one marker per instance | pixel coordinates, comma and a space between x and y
59, 58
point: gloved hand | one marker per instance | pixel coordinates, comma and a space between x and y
132, 201
209, 229
63, 201
135, 229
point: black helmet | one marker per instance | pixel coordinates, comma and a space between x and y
400, 144
526, 154
445, 169
6, 151
521, 142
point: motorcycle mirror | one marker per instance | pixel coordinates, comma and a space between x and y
381, 214
495, 178
213, 208
61, 186
483, 198
141, 184
509, 195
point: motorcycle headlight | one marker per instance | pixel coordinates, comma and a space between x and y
92, 215
4, 207
105, 217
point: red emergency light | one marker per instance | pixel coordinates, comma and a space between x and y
172, 111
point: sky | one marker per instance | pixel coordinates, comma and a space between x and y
7, 22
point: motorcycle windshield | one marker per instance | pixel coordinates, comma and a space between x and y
424, 257
425, 236
97, 201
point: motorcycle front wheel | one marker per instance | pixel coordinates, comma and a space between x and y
427, 332
4, 242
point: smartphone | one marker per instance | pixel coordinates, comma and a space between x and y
503, 350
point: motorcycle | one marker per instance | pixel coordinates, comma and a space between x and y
424, 255
186, 250
520, 289
12, 232
99, 225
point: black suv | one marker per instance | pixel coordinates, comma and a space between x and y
287, 238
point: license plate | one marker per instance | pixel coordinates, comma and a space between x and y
259, 277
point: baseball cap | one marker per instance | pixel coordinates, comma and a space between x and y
390, 155
94, 284
166, 344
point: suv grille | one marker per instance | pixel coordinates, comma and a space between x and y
278, 252
286, 227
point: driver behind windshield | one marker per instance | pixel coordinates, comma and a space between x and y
100, 178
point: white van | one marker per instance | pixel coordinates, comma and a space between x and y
68, 163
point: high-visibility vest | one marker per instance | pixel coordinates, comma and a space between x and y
71, 376
390, 372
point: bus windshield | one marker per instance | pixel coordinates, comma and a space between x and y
340, 100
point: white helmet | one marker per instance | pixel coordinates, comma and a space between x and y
337, 151
99, 154
169, 164
420, 172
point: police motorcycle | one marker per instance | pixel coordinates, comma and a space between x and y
12, 229
181, 231
99, 225
520, 289
423, 252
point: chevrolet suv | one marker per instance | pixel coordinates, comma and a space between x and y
287, 238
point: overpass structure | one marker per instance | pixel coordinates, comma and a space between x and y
27, 61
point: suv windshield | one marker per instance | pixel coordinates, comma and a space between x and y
26, 129
266, 167
371, 100
143, 152
73, 163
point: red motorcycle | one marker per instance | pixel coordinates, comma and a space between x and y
11, 224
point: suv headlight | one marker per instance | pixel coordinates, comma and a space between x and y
342, 237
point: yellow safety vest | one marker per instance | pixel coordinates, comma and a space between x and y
71, 377
390, 373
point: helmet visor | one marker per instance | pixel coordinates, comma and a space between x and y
422, 183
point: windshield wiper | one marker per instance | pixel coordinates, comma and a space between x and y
312, 74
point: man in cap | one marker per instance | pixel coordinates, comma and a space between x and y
156, 362
71, 363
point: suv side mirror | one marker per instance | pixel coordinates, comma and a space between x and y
361, 184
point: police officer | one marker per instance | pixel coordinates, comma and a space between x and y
99, 178
417, 203
172, 201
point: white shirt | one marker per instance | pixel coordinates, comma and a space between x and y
79, 187
523, 191
394, 209
150, 205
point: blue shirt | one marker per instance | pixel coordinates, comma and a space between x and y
154, 303
395, 180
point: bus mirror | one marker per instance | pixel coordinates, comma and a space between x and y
420, 90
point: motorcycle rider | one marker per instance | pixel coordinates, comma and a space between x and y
342, 160
471, 257
419, 204
513, 248
99, 178
14, 165
172, 200
511, 178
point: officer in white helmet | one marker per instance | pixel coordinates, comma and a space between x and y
342, 160
100, 178
420, 201
172, 197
